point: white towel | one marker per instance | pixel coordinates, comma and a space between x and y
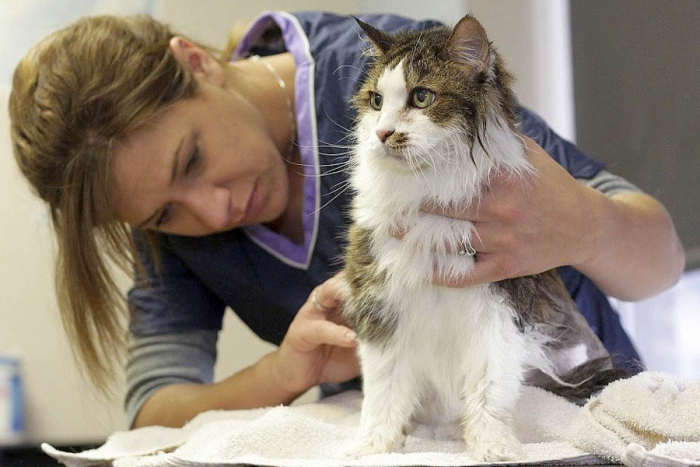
650, 420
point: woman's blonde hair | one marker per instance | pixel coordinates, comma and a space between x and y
76, 95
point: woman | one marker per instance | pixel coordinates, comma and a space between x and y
224, 184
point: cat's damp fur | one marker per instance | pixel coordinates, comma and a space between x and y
433, 351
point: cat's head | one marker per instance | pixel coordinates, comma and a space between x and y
430, 94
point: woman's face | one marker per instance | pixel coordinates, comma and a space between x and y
206, 165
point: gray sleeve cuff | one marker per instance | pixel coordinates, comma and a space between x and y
161, 360
609, 184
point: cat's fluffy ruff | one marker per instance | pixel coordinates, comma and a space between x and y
389, 193
429, 350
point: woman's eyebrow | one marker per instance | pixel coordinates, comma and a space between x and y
173, 176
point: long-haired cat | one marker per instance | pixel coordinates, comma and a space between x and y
435, 118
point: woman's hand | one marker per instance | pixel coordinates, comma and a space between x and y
626, 243
318, 347
528, 224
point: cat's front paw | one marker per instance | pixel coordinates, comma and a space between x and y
376, 444
496, 450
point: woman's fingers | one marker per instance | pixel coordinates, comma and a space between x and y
328, 296
322, 324
327, 332
317, 332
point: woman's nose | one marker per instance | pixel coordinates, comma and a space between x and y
211, 205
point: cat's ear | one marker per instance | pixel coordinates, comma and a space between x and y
381, 40
468, 44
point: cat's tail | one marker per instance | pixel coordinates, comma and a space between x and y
585, 380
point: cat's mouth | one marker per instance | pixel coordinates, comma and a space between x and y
395, 156
402, 159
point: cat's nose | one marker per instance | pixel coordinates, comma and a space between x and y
384, 134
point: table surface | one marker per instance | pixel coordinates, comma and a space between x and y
33, 456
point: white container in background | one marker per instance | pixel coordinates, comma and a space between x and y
11, 405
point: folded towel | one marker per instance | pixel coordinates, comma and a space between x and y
649, 420
649, 410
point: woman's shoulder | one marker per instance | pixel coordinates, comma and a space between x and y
341, 32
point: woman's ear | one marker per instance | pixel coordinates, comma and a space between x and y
198, 61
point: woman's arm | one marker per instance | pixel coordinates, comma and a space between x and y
637, 252
317, 348
174, 405
625, 243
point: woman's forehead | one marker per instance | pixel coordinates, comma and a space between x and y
165, 123
142, 164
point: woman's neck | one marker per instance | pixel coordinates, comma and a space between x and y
258, 82
290, 224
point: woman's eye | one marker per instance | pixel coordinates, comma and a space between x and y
376, 100
423, 98
193, 161
164, 216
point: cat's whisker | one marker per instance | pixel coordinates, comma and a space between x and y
355, 80
415, 165
333, 154
330, 164
456, 143
347, 136
429, 151
336, 168
348, 131
346, 151
344, 187
352, 67
425, 154
347, 146
336, 171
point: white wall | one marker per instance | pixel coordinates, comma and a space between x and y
211, 20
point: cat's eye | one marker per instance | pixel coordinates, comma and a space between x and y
422, 98
376, 100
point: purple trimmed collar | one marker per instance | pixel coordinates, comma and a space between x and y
297, 44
